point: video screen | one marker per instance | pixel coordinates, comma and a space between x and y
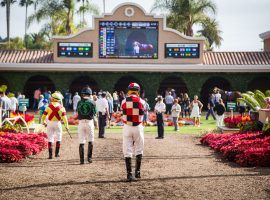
75, 50
181, 50
128, 39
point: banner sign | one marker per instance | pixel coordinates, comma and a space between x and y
24, 102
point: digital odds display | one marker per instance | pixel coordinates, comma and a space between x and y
128, 39
181, 50
75, 50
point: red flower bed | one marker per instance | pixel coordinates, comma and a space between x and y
73, 120
246, 149
236, 121
14, 147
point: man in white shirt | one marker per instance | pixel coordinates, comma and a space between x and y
103, 114
159, 110
5, 104
75, 101
13, 102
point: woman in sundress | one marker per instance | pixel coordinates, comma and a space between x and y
196, 109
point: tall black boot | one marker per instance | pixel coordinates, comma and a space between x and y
81, 152
50, 149
57, 149
138, 166
129, 170
90, 151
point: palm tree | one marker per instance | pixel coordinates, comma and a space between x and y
58, 13
86, 7
211, 32
26, 3
182, 15
7, 4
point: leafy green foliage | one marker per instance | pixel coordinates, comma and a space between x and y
182, 15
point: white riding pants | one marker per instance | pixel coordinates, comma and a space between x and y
219, 119
54, 128
133, 137
86, 130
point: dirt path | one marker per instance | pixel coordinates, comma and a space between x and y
174, 168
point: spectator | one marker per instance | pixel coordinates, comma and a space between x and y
186, 105
41, 98
94, 98
181, 103
37, 93
5, 103
217, 96
110, 103
76, 98
196, 110
121, 96
242, 107
220, 110
67, 98
19, 96
42, 106
160, 108
168, 101
115, 101
176, 109
173, 93
267, 103
103, 114
210, 106
13, 102
146, 110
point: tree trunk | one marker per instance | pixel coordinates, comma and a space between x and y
25, 28
68, 28
8, 21
83, 11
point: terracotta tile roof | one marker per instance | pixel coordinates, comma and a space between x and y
210, 58
26, 56
236, 58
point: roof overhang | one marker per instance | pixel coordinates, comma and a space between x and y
69, 67
265, 35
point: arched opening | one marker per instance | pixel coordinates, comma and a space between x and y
123, 82
82, 81
35, 82
170, 83
210, 84
259, 83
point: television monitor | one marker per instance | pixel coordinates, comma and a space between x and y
128, 39
181, 50
75, 49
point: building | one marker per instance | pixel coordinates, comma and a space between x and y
131, 45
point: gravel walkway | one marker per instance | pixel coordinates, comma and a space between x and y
177, 167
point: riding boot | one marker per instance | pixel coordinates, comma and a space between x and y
57, 149
138, 166
50, 150
90, 151
81, 152
129, 170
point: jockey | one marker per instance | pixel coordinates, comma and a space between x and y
133, 134
54, 113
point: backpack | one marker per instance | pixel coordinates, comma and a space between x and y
86, 109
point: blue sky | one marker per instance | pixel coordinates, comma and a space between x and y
241, 21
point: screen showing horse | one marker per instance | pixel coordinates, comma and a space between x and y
128, 39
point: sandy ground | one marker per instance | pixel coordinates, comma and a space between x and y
177, 167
